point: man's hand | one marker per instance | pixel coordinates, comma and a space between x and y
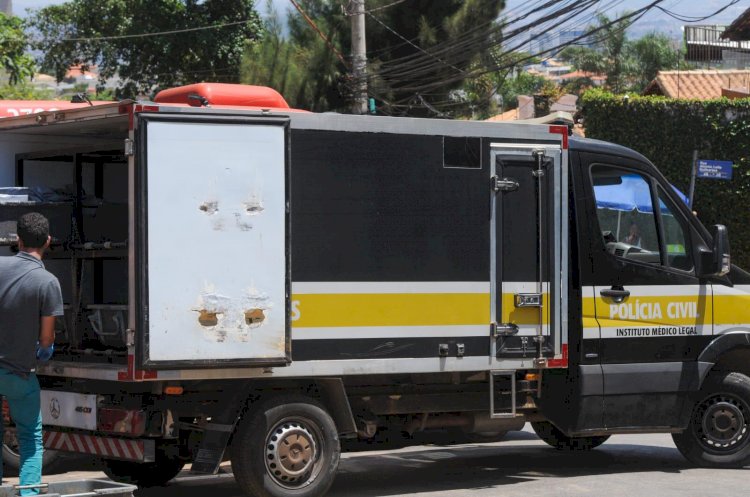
44, 354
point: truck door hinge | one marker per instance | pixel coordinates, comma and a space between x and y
540, 156
503, 184
129, 147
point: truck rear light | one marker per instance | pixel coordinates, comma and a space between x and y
173, 390
114, 420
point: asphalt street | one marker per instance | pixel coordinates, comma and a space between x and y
521, 466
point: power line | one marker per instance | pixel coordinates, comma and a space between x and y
684, 18
320, 33
157, 33
382, 7
420, 88
412, 44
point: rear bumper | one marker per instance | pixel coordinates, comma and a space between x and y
137, 450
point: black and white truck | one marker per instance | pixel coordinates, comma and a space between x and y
256, 284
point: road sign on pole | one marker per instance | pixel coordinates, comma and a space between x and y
715, 169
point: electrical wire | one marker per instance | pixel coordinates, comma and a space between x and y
382, 7
157, 33
315, 28
685, 18
410, 68
421, 88
413, 45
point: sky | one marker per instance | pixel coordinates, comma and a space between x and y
652, 21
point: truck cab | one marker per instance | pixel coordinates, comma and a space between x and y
663, 315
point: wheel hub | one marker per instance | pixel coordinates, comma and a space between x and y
723, 423
291, 452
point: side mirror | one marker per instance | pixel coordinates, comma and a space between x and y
718, 261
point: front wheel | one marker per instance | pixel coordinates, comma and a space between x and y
554, 437
287, 446
719, 431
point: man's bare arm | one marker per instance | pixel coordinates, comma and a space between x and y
47, 333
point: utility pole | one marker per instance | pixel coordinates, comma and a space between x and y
359, 57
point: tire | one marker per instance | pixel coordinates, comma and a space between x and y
287, 446
719, 431
150, 474
12, 460
554, 437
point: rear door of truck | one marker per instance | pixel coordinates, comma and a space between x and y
211, 225
528, 253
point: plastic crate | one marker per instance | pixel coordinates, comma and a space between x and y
79, 488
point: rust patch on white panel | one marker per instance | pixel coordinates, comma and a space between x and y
231, 318
208, 318
254, 317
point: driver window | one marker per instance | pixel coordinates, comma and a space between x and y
625, 212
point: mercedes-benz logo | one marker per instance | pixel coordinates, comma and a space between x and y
54, 408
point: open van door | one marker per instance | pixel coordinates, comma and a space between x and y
211, 225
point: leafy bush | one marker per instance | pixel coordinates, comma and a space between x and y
667, 131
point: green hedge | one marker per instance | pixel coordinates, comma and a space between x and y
667, 131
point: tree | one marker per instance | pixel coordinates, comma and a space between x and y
405, 73
611, 40
652, 53
18, 65
115, 36
628, 65
273, 62
24, 91
585, 59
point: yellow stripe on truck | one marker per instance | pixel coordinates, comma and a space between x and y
732, 309
404, 309
392, 309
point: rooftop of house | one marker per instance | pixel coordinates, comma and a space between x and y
700, 84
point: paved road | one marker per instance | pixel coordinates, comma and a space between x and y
522, 466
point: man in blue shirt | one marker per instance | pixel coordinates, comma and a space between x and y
30, 298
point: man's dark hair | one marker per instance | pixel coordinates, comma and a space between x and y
33, 230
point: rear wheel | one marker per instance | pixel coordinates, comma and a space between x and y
287, 446
150, 474
719, 431
554, 437
12, 459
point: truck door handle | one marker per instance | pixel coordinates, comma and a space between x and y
616, 293
504, 329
